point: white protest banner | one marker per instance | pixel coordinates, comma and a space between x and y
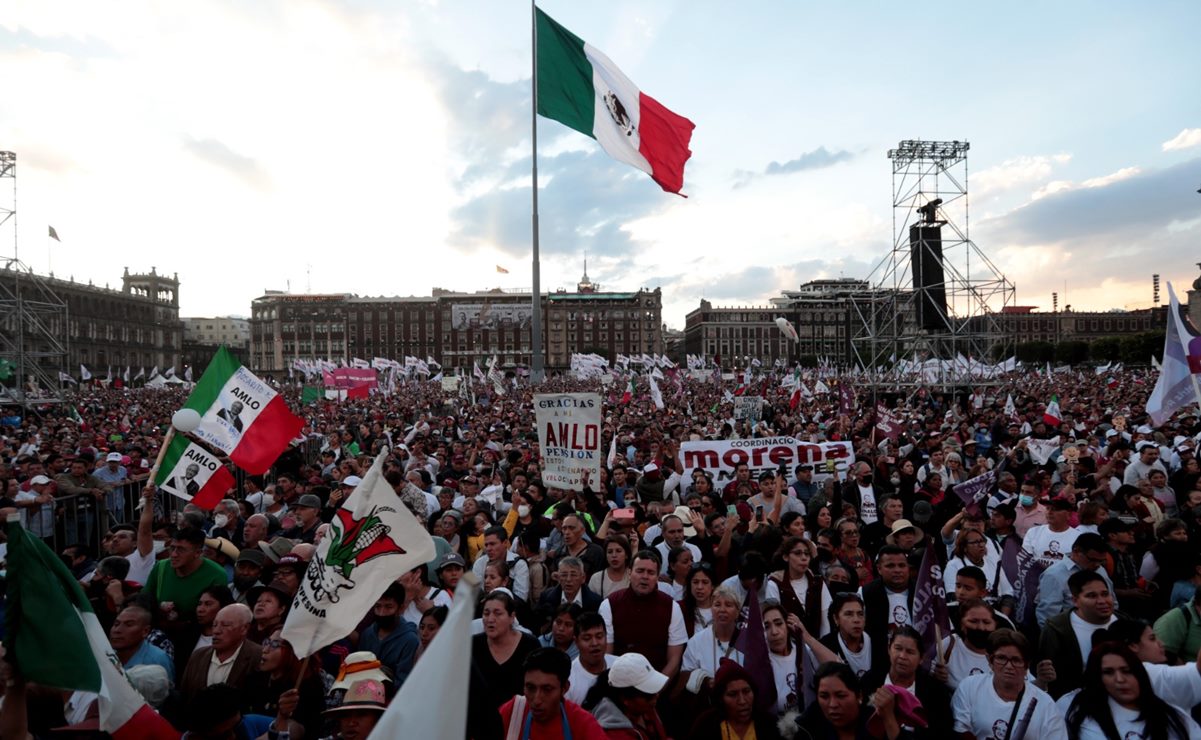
569, 435
722, 457
373, 540
748, 408
450, 383
1041, 449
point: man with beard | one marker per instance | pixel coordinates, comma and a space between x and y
248, 570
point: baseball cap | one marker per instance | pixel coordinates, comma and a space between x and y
113, 457
309, 500
252, 555
351, 481
38, 480
451, 558
634, 671
650, 468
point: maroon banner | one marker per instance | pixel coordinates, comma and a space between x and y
350, 377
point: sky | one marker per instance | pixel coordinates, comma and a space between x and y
384, 148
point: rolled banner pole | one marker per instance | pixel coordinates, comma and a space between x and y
162, 450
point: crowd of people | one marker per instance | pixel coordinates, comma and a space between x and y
627, 610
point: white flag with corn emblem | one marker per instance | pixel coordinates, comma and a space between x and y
373, 540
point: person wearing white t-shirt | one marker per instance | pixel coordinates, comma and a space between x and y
709, 646
1051, 542
592, 660
1118, 693
1002, 704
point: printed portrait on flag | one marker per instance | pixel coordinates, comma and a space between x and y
185, 484
490, 316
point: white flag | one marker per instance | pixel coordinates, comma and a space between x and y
170, 373
1011, 409
439, 680
656, 394
65, 377
373, 540
125, 377
84, 374
141, 373
154, 372
187, 374
1041, 449
1177, 383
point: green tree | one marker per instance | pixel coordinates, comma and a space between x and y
1038, 352
1071, 353
1105, 349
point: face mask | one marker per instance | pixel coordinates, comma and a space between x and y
977, 638
838, 587
243, 583
220, 521
523, 511
388, 622
159, 546
1026, 500
895, 480
867, 480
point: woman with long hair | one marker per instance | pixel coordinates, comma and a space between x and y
431, 623
616, 574
792, 524
801, 592
847, 638
679, 564
905, 651
786, 639
734, 714
212, 600
697, 604
848, 550
279, 671
839, 713
1117, 701
821, 517
623, 699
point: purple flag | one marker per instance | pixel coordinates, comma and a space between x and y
846, 399
1009, 557
930, 616
1025, 586
752, 643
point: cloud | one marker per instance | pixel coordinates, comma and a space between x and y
817, 159
1186, 139
222, 157
584, 201
1016, 172
1100, 240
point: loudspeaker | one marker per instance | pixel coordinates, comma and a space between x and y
925, 254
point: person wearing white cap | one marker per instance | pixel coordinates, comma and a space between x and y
37, 507
623, 700
1148, 459
113, 474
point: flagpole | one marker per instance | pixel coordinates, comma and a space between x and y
536, 364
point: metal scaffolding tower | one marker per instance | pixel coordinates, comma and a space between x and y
935, 295
33, 319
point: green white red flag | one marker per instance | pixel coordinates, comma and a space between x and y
194, 474
1052, 415
241, 415
53, 637
628, 395
581, 88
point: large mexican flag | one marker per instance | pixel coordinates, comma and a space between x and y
581, 88
241, 415
54, 639
192, 473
